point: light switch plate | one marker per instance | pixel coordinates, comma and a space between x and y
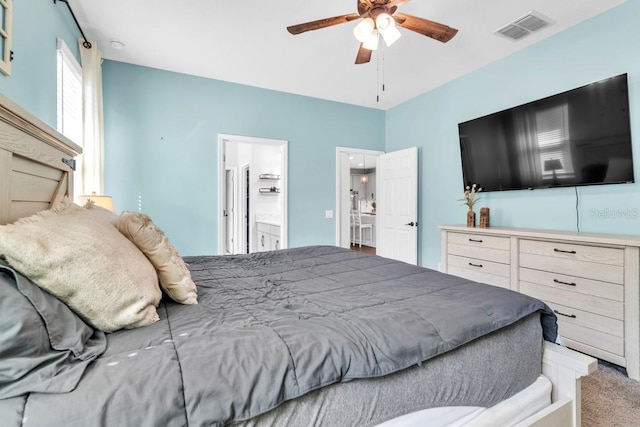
328, 214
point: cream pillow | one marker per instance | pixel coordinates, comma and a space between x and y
173, 273
80, 257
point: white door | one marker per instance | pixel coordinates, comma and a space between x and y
397, 205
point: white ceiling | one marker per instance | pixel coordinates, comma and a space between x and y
245, 41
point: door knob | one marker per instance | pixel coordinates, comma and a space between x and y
411, 224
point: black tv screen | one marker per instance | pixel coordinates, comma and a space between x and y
578, 137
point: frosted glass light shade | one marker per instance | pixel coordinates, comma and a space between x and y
386, 25
390, 35
364, 29
384, 21
371, 42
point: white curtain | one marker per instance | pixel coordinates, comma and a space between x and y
92, 173
527, 142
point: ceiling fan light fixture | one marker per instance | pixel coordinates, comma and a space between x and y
386, 25
390, 35
364, 29
371, 42
384, 21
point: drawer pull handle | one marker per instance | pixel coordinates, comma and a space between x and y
564, 252
476, 240
475, 265
573, 316
564, 283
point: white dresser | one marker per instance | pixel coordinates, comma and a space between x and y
591, 281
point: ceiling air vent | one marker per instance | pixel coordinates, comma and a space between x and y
523, 26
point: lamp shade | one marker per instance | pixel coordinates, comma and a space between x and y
552, 165
102, 201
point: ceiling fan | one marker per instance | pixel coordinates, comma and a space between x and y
378, 19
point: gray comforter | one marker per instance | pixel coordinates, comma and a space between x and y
270, 327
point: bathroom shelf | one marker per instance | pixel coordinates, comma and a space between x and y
269, 176
272, 190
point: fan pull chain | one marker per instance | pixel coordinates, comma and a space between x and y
377, 78
378, 74
383, 70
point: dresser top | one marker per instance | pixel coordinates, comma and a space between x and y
600, 238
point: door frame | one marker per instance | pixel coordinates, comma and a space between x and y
233, 172
340, 187
284, 202
243, 219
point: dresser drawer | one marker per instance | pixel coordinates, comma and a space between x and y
598, 263
589, 320
581, 285
588, 336
481, 271
477, 252
480, 241
480, 276
573, 251
569, 298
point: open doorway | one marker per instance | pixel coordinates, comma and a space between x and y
396, 197
356, 199
252, 194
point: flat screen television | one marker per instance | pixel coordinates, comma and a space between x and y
578, 137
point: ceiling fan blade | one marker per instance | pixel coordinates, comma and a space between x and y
364, 55
322, 23
425, 27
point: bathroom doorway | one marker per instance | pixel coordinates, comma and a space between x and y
257, 197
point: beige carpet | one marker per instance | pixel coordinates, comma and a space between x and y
610, 398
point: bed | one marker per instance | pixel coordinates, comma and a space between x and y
305, 336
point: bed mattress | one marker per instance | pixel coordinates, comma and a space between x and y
489, 370
276, 327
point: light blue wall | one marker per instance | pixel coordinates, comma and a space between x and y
32, 84
605, 46
161, 146
161, 132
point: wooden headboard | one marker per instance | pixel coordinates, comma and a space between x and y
33, 175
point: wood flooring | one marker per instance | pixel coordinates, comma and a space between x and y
367, 249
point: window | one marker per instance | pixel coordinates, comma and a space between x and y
70, 103
6, 16
553, 142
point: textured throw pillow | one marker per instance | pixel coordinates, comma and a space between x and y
173, 273
80, 257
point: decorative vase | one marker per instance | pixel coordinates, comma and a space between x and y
484, 217
471, 218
